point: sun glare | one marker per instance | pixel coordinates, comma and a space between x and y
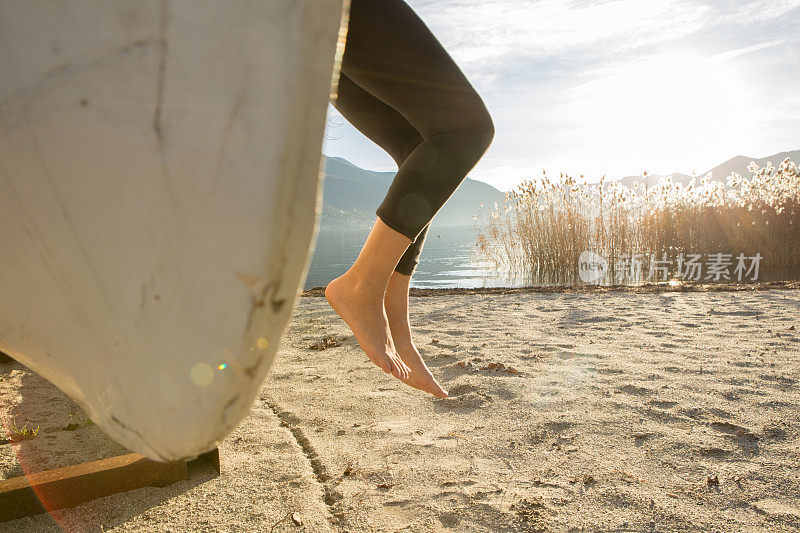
682, 104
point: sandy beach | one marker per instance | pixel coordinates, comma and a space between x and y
568, 411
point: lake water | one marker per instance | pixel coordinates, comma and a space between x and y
446, 261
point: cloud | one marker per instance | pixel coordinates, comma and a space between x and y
730, 54
479, 31
492, 37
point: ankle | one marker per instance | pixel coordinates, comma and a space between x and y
396, 297
363, 284
398, 321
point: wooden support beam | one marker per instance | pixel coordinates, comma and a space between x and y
70, 486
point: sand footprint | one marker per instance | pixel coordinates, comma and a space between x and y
464, 396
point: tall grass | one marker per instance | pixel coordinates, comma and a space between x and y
542, 228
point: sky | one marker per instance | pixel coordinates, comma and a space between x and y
615, 87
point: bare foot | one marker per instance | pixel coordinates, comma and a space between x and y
420, 377
361, 307
396, 305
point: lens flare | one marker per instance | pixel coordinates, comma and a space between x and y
201, 374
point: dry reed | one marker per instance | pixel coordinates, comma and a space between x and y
540, 231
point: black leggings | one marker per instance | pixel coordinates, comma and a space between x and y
401, 89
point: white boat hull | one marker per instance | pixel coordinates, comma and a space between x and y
159, 183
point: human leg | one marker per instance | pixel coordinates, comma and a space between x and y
357, 296
392, 132
387, 128
396, 306
392, 55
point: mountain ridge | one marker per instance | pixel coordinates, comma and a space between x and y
351, 194
738, 164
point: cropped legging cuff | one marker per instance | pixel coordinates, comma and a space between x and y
408, 263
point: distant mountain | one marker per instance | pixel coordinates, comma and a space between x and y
740, 163
737, 164
351, 195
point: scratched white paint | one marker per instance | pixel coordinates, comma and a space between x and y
159, 166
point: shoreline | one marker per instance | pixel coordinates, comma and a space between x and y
644, 288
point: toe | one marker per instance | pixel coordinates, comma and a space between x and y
403, 364
403, 370
397, 370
